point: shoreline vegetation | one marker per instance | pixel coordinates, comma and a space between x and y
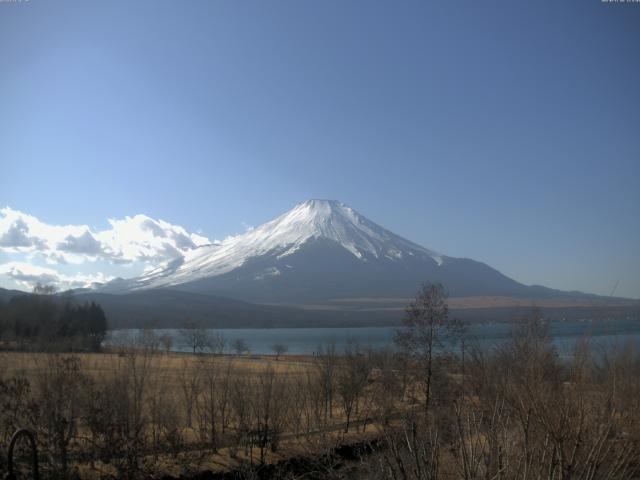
163, 309
517, 410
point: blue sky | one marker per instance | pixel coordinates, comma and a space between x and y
502, 131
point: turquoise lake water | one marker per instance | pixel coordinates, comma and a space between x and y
565, 335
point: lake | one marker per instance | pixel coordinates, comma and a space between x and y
565, 335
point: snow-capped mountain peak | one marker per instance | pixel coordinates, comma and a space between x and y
333, 220
326, 220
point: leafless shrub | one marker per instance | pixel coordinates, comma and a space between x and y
268, 406
240, 346
279, 349
190, 385
117, 415
326, 362
195, 337
206, 403
411, 450
59, 388
17, 410
166, 341
352, 380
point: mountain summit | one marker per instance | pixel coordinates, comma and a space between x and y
321, 251
333, 221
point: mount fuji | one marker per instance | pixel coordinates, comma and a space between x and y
323, 252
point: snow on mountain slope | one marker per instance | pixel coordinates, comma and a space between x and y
312, 220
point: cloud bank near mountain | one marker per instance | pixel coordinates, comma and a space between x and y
27, 241
26, 276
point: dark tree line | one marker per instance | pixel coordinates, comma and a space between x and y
45, 319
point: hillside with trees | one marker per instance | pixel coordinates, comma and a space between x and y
43, 320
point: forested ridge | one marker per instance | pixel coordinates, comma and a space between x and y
45, 319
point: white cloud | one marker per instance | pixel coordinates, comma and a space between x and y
126, 241
17, 236
137, 238
27, 276
85, 244
143, 238
23, 233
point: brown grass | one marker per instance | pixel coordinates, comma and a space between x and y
166, 374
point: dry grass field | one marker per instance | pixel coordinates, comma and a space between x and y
518, 412
196, 412
170, 365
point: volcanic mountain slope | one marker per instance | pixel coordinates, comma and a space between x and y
318, 252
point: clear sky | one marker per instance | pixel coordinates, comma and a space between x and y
504, 131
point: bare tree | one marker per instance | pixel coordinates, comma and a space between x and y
279, 349
166, 340
240, 346
149, 340
164, 428
427, 328
116, 413
190, 381
206, 403
387, 385
195, 337
223, 394
352, 379
60, 385
239, 400
268, 407
326, 362
217, 343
